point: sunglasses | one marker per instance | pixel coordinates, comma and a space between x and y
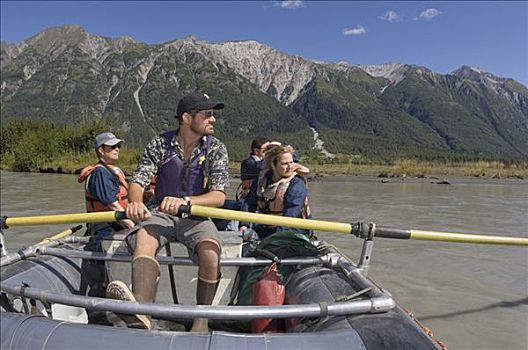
114, 146
208, 114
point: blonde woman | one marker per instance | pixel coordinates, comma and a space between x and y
280, 190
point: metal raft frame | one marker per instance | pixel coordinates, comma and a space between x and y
374, 299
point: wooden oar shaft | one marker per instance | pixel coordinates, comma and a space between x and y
467, 238
308, 224
358, 230
104, 216
273, 220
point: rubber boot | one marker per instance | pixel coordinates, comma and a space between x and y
205, 293
145, 277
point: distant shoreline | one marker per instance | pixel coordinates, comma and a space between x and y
414, 172
448, 180
433, 180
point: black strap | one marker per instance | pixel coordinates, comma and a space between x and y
267, 254
3, 220
352, 296
23, 297
324, 309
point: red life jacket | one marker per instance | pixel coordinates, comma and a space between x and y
270, 197
92, 203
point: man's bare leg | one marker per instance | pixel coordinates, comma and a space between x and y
146, 244
145, 277
208, 277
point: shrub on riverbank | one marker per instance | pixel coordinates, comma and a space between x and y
422, 169
48, 147
31, 146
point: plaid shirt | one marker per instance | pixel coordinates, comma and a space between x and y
154, 154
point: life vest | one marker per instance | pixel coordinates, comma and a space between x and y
92, 203
177, 179
243, 189
270, 197
247, 178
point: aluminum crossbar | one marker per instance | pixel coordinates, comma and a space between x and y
379, 304
174, 260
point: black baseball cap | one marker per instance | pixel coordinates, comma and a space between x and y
196, 101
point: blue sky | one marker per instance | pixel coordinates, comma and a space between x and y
439, 35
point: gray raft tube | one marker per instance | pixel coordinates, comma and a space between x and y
51, 334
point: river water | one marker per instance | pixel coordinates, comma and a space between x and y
471, 296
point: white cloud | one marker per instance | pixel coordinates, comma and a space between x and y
292, 4
390, 16
358, 30
428, 14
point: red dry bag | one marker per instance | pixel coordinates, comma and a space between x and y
269, 290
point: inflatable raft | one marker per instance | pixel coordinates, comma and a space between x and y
50, 299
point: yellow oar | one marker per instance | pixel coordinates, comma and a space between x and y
60, 235
104, 216
272, 220
358, 229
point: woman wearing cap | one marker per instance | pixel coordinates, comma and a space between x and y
280, 190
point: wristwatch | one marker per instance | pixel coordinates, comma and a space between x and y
187, 200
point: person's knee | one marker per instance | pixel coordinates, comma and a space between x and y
146, 243
208, 254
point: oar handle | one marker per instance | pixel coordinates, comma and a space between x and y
103, 216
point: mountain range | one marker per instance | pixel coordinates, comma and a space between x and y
67, 75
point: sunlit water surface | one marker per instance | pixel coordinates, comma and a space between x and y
472, 296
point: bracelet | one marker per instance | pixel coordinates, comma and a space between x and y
187, 200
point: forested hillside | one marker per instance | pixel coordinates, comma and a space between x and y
67, 76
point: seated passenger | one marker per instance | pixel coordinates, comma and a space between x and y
105, 185
251, 166
105, 189
301, 170
279, 190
